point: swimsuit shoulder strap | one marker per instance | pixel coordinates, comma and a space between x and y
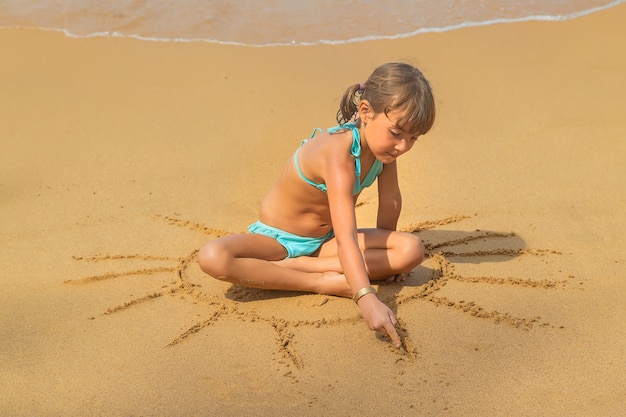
355, 149
321, 187
315, 131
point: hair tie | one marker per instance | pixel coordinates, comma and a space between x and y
362, 86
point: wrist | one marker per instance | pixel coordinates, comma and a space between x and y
363, 292
367, 299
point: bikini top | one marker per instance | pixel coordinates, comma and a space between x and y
355, 150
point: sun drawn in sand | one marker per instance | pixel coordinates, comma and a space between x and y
222, 300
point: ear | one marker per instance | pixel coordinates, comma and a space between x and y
366, 113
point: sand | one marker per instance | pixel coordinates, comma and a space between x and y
120, 158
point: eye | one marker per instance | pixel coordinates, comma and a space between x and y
394, 133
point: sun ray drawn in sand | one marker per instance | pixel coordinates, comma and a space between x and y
225, 301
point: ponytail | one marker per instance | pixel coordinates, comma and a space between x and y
349, 104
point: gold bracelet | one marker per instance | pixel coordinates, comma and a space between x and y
363, 291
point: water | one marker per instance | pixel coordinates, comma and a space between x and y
279, 22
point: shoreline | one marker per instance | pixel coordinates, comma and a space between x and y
355, 39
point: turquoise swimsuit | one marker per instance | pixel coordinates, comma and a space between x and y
304, 245
296, 245
355, 150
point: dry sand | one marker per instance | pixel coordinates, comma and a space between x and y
119, 158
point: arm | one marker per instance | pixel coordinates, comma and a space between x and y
389, 205
389, 198
339, 180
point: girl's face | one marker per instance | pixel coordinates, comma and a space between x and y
383, 136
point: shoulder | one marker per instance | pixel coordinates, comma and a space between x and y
333, 160
329, 144
325, 156
388, 185
388, 172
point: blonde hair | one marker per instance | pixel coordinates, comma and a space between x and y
393, 86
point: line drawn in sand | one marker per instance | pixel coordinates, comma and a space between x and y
224, 300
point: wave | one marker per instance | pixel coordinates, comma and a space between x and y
374, 37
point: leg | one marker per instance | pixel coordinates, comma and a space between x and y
386, 253
246, 260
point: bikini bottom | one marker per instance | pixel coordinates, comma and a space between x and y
296, 245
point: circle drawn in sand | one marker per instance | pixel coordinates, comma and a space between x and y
275, 308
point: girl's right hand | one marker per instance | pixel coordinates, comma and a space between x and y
379, 317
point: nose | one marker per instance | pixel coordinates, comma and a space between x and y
403, 146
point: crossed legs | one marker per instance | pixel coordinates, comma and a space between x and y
257, 261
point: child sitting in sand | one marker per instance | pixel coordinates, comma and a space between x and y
306, 238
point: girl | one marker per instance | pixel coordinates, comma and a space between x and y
306, 238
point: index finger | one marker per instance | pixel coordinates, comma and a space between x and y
393, 334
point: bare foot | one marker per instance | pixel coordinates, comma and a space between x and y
394, 278
334, 283
311, 264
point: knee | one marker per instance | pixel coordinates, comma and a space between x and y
412, 251
214, 260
